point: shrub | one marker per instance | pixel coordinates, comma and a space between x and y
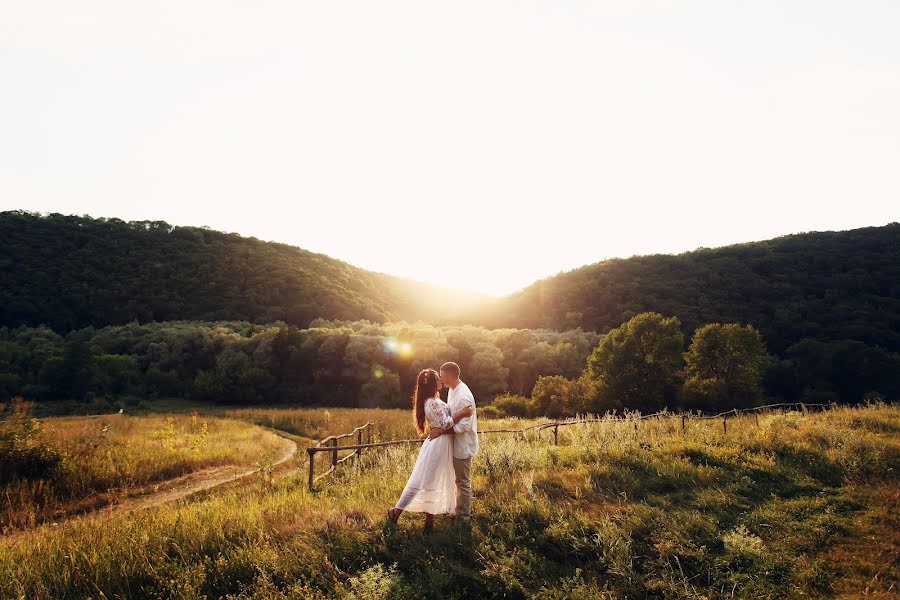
511, 405
555, 396
25, 451
490, 412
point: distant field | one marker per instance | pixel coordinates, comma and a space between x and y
797, 506
318, 423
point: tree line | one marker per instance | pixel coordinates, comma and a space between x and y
335, 363
644, 364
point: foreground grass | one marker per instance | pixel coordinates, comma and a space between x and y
799, 506
90, 461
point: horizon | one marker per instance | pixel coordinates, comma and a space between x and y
555, 136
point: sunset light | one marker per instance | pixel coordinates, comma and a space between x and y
481, 145
475, 299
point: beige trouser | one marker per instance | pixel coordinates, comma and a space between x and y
463, 468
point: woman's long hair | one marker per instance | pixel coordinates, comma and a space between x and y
426, 387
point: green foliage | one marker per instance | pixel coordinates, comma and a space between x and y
382, 389
834, 285
509, 405
638, 363
824, 302
844, 370
724, 367
26, 451
167, 435
338, 363
70, 272
555, 396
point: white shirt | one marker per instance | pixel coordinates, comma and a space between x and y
465, 440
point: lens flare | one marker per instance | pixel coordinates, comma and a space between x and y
396, 347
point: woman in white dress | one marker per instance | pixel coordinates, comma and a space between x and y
431, 487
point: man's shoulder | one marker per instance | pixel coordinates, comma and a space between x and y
464, 389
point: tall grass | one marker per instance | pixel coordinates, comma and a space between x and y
318, 423
96, 460
798, 506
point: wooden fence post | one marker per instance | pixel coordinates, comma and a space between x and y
756, 416
312, 455
556, 435
725, 423
359, 441
334, 453
683, 418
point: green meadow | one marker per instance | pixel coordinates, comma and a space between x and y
796, 505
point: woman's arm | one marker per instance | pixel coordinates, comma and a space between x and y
439, 416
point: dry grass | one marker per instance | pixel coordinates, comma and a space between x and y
101, 459
785, 509
318, 423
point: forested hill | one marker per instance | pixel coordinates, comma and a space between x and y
71, 271
823, 285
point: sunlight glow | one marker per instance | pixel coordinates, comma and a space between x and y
472, 144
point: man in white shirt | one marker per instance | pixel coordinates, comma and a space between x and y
465, 437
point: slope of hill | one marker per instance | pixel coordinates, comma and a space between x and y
72, 271
823, 285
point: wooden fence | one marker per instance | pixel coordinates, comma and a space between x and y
330, 444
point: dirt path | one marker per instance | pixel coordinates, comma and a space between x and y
184, 486
173, 489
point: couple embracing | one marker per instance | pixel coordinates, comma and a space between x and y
441, 480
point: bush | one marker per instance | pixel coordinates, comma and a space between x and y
511, 405
555, 396
490, 412
25, 451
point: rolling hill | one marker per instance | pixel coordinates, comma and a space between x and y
73, 271
821, 285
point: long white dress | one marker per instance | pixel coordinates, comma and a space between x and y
431, 487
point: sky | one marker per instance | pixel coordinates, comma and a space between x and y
477, 144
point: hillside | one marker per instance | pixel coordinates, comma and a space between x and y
70, 272
823, 285
73, 271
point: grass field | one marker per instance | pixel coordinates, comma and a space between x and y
318, 423
797, 506
88, 462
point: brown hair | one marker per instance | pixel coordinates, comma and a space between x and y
426, 387
450, 367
